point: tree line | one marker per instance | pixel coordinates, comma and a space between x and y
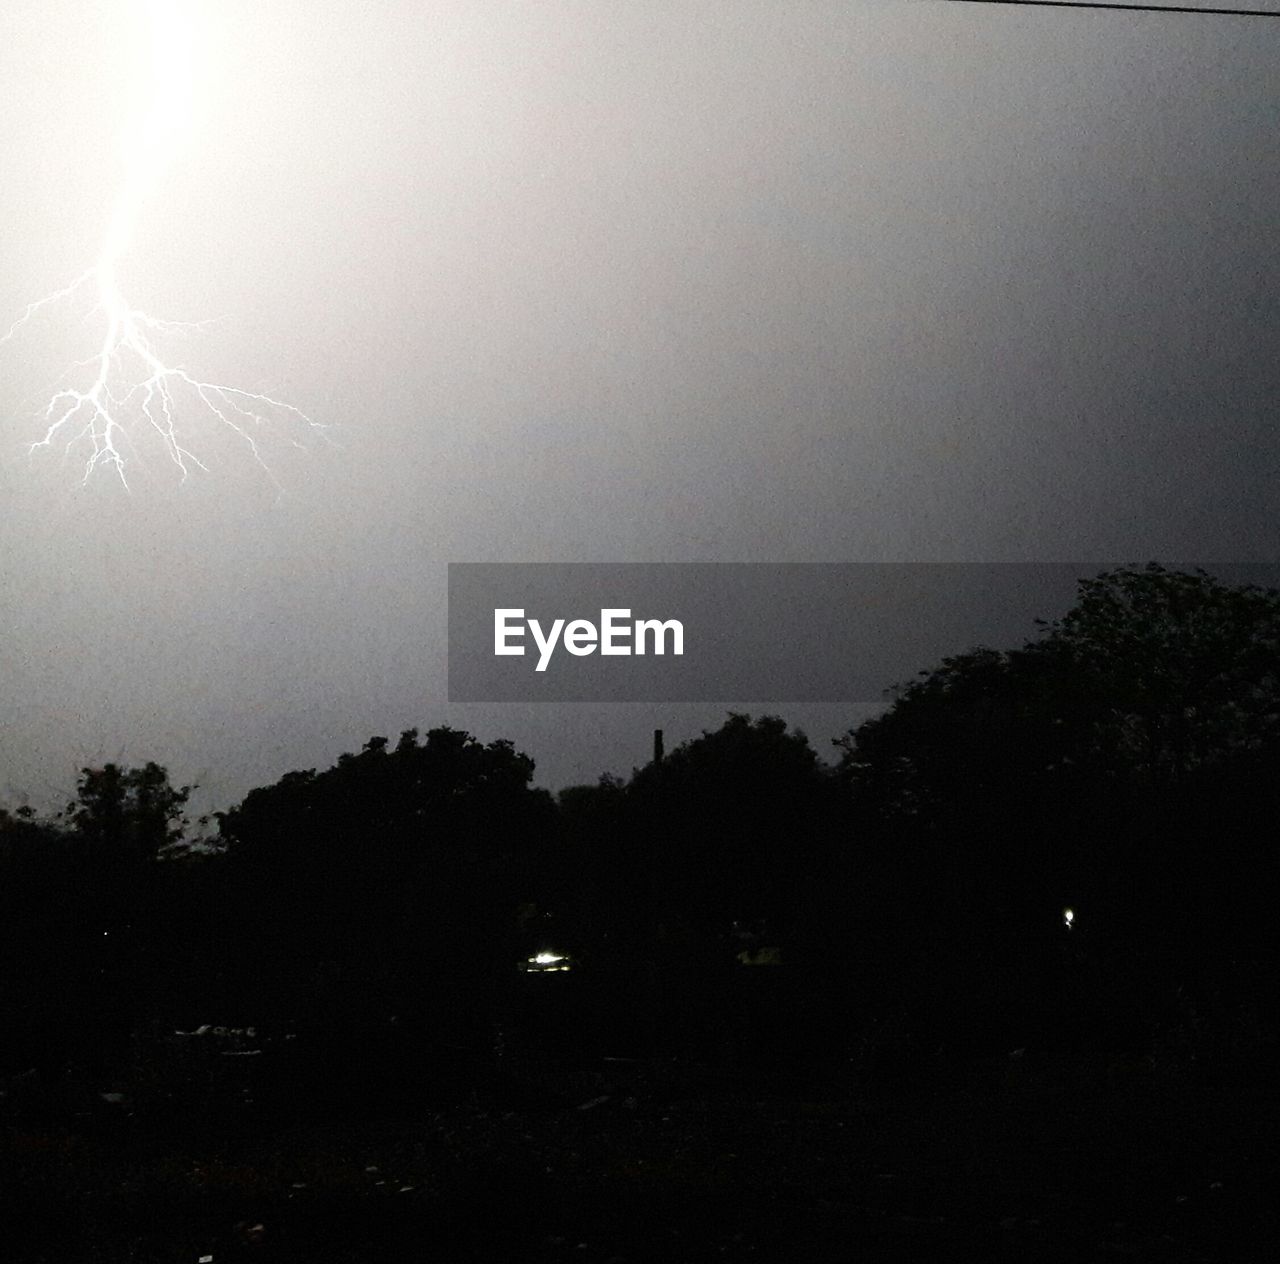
1069, 844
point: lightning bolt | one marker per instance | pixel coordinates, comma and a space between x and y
126, 385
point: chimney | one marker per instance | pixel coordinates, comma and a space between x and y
657, 746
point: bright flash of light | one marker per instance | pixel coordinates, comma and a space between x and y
1068, 917
126, 385
546, 959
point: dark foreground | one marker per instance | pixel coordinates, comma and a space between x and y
1007, 1159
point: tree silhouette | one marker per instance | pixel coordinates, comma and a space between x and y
727, 821
716, 849
86, 934
1179, 671
132, 814
399, 868
1094, 767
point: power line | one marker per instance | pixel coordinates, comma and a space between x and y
1140, 8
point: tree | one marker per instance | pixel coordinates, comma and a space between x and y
1115, 764
729, 824
1180, 671
82, 913
1152, 680
45, 951
722, 845
130, 814
401, 867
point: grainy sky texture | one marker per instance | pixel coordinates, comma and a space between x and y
583, 281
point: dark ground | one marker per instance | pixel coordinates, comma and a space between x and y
259, 1158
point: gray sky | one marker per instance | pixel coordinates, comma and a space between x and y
700, 280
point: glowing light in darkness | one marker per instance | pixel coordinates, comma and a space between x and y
547, 962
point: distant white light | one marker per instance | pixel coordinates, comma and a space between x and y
547, 961
1068, 916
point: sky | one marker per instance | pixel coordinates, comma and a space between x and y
698, 280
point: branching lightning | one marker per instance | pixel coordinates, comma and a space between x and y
126, 386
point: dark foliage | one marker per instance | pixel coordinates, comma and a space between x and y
1121, 765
